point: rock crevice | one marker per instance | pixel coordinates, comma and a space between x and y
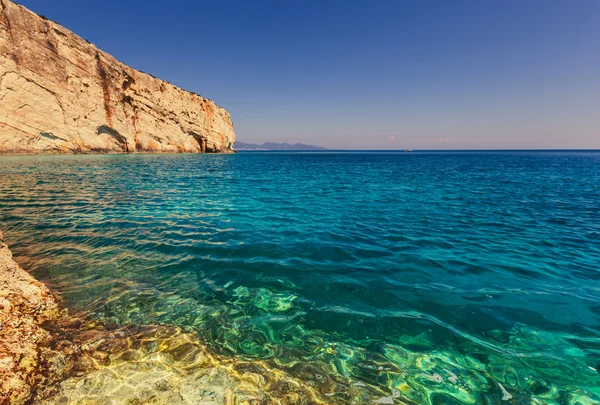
54, 82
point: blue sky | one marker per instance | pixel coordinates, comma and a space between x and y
369, 74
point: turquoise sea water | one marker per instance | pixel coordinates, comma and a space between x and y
440, 278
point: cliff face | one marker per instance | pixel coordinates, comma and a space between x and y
59, 93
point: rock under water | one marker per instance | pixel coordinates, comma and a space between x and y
51, 356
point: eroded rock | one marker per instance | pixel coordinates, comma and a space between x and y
60, 94
25, 304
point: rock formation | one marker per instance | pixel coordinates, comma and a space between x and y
25, 304
60, 94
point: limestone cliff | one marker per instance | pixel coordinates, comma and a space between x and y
59, 93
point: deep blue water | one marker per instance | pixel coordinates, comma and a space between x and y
449, 277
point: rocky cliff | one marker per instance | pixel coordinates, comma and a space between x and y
60, 94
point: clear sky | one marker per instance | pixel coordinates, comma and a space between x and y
376, 74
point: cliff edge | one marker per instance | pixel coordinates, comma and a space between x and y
60, 94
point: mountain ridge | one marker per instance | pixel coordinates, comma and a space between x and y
243, 146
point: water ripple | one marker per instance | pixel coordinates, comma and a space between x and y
434, 278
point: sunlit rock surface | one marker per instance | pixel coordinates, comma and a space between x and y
60, 94
24, 304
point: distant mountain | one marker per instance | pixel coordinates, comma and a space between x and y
275, 146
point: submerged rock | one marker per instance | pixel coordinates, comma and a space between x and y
60, 94
164, 365
48, 356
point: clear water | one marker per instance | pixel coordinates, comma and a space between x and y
438, 278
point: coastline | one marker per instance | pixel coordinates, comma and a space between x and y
75, 153
25, 305
49, 355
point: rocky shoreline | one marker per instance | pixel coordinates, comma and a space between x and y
25, 305
51, 356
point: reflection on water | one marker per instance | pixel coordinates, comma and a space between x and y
438, 279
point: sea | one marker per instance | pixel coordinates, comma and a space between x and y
455, 277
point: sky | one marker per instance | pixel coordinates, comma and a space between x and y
374, 74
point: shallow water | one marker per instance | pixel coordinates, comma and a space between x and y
433, 278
